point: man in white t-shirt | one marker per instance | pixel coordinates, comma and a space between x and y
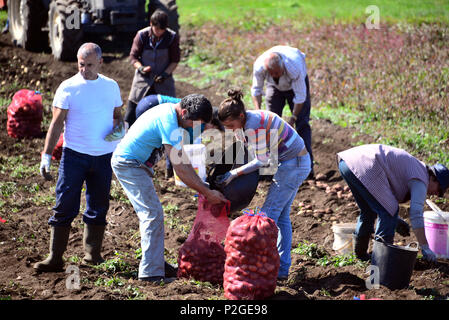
88, 107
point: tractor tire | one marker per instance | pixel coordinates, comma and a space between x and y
26, 20
65, 33
170, 8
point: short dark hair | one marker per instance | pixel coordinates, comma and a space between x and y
198, 107
159, 19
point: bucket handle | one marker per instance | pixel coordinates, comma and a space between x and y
380, 238
415, 243
407, 246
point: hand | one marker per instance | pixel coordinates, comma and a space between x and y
144, 70
403, 228
292, 120
161, 78
45, 166
428, 254
117, 133
215, 197
225, 179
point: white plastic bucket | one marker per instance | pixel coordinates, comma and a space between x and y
343, 237
197, 157
436, 229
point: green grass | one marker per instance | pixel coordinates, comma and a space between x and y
250, 13
406, 133
323, 258
397, 95
3, 17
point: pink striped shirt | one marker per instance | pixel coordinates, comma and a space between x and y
385, 172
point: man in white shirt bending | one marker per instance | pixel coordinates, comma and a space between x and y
284, 70
88, 107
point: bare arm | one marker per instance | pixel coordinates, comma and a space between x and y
420, 236
55, 129
117, 117
257, 101
296, 111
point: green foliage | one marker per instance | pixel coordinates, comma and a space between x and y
7, 188
3, 18
254, 14
110, 282
311, 250
117, 192
340, 260
14, 167
390, 83
113, 266
315, 252
170, 209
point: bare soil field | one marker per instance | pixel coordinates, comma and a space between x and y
24, 237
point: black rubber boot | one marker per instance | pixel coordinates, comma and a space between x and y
58, 243
92, 242
360, 247
171, 271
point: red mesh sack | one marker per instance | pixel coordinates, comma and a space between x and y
25, 114
202, 256
252, 258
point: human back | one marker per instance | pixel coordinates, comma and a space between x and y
151, 130
267, 130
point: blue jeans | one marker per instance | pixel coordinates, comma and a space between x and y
282, 192
139, 188
74, 169
370, 209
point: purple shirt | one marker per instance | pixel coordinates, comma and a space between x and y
385, 172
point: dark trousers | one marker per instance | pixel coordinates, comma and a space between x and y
130, 114
370, 209
276, 100
74, 169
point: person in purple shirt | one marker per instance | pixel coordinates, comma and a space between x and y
380, 177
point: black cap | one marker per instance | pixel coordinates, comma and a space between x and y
442, 175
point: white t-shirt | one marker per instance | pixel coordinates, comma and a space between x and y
91, 106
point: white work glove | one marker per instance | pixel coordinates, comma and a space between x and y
117, 133
225, 179
428, 254
45, 166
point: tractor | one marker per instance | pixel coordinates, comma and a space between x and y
62, 24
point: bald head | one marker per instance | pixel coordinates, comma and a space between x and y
89, 48
274, 65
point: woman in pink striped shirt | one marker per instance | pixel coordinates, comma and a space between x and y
380, 177
272, 142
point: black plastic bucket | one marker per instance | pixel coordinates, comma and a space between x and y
242, 189
395, 263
